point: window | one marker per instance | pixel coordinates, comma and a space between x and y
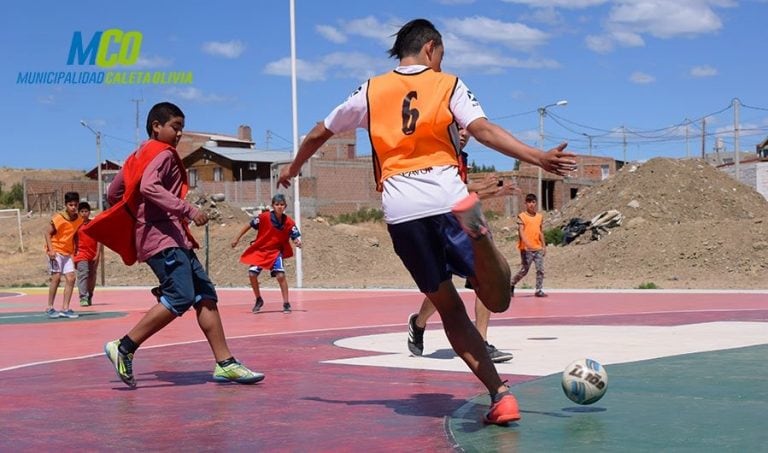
192, 177
605, 171
218, 174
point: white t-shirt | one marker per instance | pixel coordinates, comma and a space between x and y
417, 194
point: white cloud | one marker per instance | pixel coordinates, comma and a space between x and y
565, 4
641, 78
331, 34
599, 43
513, 35
703, 71
353, 65
470, 56
145, 62
195, 94
229, 49
370, 27
666, 19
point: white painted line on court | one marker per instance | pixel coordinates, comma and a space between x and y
544, 350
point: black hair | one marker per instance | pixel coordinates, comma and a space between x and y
162, 113
530, 197
412, 36
84, 205
71, 196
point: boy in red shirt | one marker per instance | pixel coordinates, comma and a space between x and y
86, 258
149, 222
271, 246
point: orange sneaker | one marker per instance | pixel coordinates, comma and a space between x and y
503, 411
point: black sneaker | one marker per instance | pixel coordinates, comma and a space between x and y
415, 336
286, 307
540, 293
157, 292
496, 355
257, 306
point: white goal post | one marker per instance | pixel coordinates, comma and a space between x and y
9, 214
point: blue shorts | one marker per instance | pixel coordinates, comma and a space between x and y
183, 279
433, 249
277, 266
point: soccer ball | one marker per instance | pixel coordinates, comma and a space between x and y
585, 381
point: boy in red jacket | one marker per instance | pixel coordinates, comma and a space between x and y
271, 246
86, 258
149, 222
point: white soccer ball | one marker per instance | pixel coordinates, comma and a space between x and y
585, 381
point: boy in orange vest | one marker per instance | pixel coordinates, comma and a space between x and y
60, 246
437, 228
271, 246
531, 244
149, 209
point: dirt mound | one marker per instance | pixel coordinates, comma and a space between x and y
669, 191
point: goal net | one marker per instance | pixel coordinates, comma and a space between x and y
13, 214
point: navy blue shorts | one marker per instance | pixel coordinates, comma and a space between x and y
433, 249
183, 279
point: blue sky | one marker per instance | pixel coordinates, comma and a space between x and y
634, 69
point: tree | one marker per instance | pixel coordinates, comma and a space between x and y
474, 168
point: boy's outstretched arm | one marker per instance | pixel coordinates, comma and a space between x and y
312, 142
242, 232
556, 160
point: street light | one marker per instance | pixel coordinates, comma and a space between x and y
98, 158
542, 114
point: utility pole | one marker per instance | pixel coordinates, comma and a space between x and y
736, 150
687, 145
624, 142
268, 138
704, 139
138, 140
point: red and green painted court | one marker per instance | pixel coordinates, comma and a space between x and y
686, 373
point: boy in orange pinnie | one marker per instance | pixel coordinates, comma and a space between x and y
60, 246
271, 246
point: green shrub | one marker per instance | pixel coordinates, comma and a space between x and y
360, 216
13, 198
553, 236
648, 285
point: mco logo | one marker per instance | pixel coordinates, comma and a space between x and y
106, 48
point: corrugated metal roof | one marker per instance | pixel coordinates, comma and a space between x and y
249, 154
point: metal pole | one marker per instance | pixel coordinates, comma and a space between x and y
542, 112
736, 145
294, 108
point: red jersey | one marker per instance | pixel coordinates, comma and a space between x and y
270, 242
86, 247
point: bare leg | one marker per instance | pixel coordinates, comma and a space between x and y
155, 319
209, 320
254, 284
69, 286
464, 338
53, 287
281, 280
482, 317
425, 312
492, 275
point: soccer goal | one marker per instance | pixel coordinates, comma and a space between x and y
9, 214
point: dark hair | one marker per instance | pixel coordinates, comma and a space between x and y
71, 196
83, 205
530, 197
162, 113
412, 37
278, 198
